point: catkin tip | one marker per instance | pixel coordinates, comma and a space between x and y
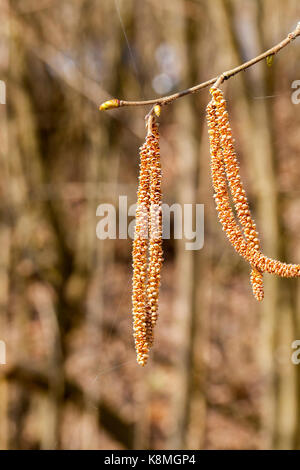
256, 279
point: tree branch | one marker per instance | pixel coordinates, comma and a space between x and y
115, 103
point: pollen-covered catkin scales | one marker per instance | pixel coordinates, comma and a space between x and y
139, 256
256, 280
225, 212
146, 273
236, 186
224, 209
224, 164
232, 170
271, 266
155, 232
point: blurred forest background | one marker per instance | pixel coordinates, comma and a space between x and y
220, 375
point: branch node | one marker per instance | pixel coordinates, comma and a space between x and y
220, 81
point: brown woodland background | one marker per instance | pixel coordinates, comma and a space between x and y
220, 374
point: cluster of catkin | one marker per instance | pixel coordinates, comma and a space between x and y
227, 184
147, 245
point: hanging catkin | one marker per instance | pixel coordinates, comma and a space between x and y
146, 273
222, 200
155, 251
236, 186
139, 257
225, 177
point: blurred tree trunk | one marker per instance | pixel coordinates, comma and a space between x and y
184, 278
275, 324
188, 396
296, 335
5, 227
27, 176
285, 377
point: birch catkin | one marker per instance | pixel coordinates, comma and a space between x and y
148, 236
225, 212
226, 179
155, 252
139, 257
236, 186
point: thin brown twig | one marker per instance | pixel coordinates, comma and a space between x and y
219, 79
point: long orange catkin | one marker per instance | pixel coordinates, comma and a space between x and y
224, 164
236, 186
155, 249
139, 257
146, 274
225, 212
